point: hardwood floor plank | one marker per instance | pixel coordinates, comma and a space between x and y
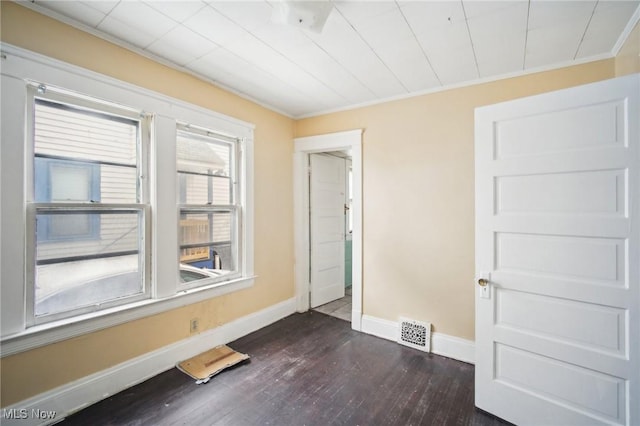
307, 369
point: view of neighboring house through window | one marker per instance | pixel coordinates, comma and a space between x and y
67, 181
208, 229
87, 209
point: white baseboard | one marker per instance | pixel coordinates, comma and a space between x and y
76, 395
453, 347
379, 327
441, 344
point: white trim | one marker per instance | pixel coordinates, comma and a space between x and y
163, 186
626, 32
76, 395
453, 347
246, 226
45, 334
30, 66
12, 162
350, 140
441, 344
379, 327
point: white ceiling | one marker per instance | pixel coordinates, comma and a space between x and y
369, 51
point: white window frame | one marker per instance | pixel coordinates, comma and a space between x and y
21, 68
235, 207
41, 91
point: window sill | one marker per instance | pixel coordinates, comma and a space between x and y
45, 334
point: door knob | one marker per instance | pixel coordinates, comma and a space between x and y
483, 282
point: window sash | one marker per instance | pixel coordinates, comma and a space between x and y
65, 100
89, 103
235, 243
209, 137
46, 167
234, 209
144, 257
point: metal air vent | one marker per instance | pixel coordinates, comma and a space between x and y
415, 334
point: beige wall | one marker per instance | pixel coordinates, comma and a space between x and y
418, 195
38, 370
628, 59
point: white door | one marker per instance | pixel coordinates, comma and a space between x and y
557, 233
326, 202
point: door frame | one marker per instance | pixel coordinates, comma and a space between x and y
347, 140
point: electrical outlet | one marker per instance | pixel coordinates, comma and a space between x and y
195, 324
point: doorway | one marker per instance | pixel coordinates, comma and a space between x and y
330, 230
349, 141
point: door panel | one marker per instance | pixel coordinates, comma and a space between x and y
327, 186
595, 192
560, 257
589, 325
557, 238
600, 394
558, 131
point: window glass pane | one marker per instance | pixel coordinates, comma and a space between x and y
70, 183
187, 275
205, 169
213, 230
195, 228
70, 132
69, 226
198, 189
205, 227
83, 155
74, 271
118, 184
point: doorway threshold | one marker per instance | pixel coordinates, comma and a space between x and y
339, 308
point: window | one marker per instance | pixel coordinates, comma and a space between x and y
89, 244
98, 226
209, 212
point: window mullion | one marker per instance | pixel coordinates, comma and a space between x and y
163, 197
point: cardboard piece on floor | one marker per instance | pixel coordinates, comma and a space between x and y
206, 365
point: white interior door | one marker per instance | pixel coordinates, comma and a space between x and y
557, 233
326, 202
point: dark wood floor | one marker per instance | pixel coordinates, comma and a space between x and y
307, 369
